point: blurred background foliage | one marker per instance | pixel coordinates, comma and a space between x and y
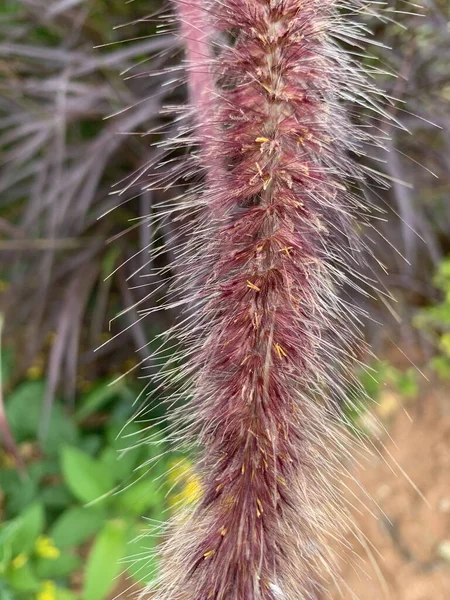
76, 119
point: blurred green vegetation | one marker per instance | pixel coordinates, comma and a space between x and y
77, 500
434, 321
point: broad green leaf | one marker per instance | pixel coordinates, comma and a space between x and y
23, 408
128, 452
142, 563
7, 366
6, 593
103, 561
29, 526
55, 496
76, 525
98, 397
62, 566
64, 594
62, 430
140, 496
23, 579
7, 532
85, 477
19, 492
108, 458
24, 413
92, 443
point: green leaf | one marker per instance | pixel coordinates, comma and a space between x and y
7, 532
108, 458
140, 496
23, 409
126, 457
141, 559
62, 430
441, 364
29, 526
57, 567
76, 525
103, 561
407, 384
20, 493
85, 477
55, 496
5, 592
24, 412
64, 594
98, 397
23, 579
91, 443
7, 366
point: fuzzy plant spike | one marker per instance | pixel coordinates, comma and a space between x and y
268, 328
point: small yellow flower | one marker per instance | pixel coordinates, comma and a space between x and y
179, 469
37, 369
192, 490
19, 561
48, 591
45, 547
6, 460
186, 482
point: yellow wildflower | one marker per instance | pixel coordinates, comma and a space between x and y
19, 561
37, 368
187, 484
45, 547
48, 591
192, 490
6, 460
179, 469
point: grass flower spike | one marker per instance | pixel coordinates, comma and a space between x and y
267, 328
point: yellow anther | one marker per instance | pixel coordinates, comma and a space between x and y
261, 140
252, 286
259, 510
286, 250
245, 360
266, 182
268, 89
280, 351
208, 554
223, 531
243, 469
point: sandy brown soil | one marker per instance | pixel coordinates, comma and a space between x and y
410, 534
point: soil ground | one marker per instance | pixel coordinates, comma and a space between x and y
409, 533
